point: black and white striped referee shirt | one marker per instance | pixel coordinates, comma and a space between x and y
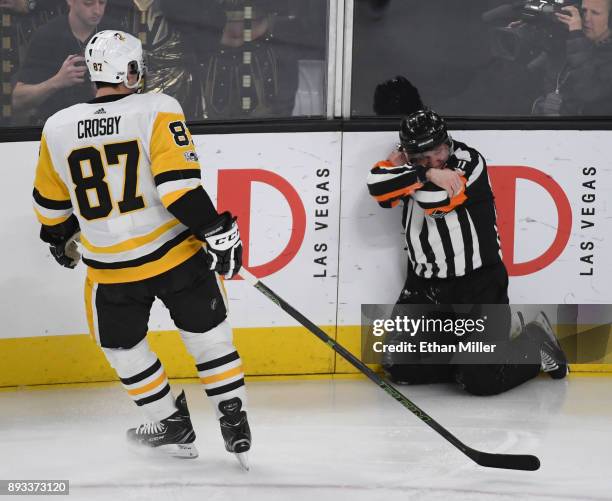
446, 237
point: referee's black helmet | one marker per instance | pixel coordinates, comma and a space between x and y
422, 131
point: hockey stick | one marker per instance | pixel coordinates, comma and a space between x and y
507, 461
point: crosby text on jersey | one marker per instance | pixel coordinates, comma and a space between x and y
98, 127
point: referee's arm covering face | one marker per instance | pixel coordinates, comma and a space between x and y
388, 183
435, 200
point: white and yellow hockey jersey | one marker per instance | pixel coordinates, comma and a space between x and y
118, 164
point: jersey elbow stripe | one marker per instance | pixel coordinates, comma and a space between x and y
49, 203
179, 184
384, 163
381, 178
404, 192
177, 175
379, 170
51, 212
393, 184
51, 221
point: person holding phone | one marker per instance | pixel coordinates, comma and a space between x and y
53, 75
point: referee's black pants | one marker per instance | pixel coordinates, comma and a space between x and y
484, 286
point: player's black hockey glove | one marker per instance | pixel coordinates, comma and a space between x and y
224, 246
62, 240
67, 255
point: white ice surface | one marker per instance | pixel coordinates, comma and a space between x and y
322, 440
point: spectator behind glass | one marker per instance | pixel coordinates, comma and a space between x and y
577, 80
168, 44
53, 74
249, 74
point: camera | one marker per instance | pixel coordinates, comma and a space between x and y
534, 36
543, 11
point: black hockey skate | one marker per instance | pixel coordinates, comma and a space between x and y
235, 430
173, 436
554, 361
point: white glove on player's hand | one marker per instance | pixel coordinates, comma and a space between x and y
224, 247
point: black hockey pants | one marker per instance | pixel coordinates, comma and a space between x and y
479, 288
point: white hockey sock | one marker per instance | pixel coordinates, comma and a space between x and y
144, 378
218, 363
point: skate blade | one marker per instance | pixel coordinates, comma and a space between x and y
181, 451
243, 459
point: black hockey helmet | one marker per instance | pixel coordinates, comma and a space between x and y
422, 131
396, 97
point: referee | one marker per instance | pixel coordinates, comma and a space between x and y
454, 254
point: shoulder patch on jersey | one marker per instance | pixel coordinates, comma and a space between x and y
191, 156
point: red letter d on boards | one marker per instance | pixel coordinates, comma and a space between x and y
503, 180
234, 194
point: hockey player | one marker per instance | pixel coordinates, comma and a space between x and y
454, 254
121, 173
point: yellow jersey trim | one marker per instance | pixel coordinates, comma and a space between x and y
171, 259
132, 243
47, 221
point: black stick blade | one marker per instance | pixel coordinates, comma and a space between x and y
525, 462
